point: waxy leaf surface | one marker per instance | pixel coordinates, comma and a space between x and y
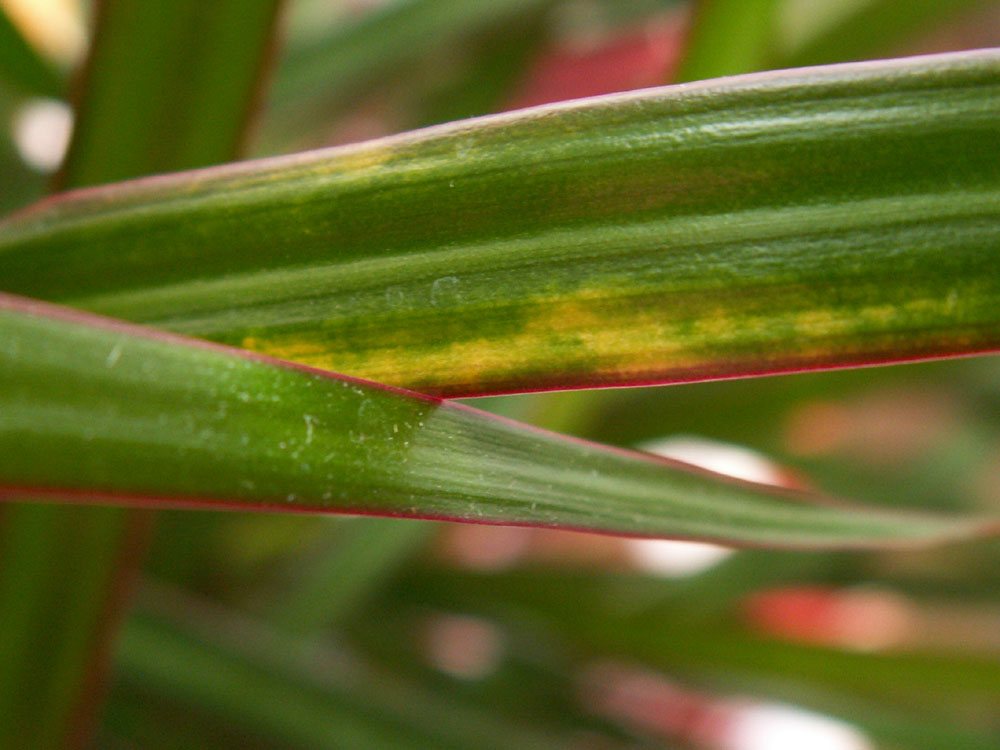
816, 218
203, 426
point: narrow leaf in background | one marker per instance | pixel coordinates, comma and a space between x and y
347, 570
297, 692
870, 28
323, 75
896, 696
729, 37
167, 86
185, 95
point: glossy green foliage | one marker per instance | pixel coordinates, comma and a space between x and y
815, 218
728, 228
201, 427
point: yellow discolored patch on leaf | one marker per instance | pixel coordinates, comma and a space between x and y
563, 337
822, 322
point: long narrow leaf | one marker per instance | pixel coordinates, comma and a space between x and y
874, 26
729, 37
167, 85
200, 426
343, 569
62, 581
817, 218
348, 571
171, 86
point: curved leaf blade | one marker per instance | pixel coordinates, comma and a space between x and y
778, 222
203, 426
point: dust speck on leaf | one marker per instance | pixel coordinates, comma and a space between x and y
114, 355
444, 290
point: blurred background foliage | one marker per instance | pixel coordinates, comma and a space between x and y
281, 631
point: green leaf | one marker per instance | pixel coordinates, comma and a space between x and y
778, 222
895, 696
201, 426
156, 94
729, 37
62, 580
321, 77
873, 28
183, 98
338, 574
341, 579
762, 413
298, 692
22, 66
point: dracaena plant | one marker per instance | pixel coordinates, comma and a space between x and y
287, 335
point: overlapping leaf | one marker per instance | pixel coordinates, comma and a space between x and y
825, 217
199, 426
167, 85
